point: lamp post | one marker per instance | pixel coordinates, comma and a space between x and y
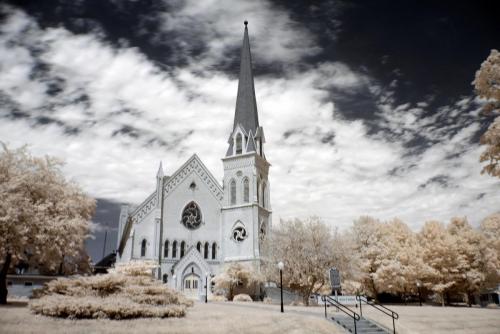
281, 266
206, 287
419, 294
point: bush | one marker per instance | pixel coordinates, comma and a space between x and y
296, 303
267, 300
218, 298
242, 297
129, 291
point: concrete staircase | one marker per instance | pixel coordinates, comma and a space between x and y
363, 325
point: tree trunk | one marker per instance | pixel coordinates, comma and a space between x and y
3, 279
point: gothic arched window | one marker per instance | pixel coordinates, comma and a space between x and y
205, 255
258, 191
264, 194
191, 216
183, 247
232, 188
143, 247
239, 144
214, 251
246, 191
174, 249
165, 249
198, 246
165, 278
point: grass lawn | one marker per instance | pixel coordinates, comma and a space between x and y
214, 318
437, 319
258, 318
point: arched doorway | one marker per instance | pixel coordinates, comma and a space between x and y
191, 286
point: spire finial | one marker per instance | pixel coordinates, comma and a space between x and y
160, 171
246, 23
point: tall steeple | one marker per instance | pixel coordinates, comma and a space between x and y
246, 105
247, 203
247, 136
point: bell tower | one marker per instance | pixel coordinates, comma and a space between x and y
246, 212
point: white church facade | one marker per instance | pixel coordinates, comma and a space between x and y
191, 224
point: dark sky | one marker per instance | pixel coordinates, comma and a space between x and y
413, 53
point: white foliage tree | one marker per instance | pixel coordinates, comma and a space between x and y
43, 218
487, 86
307, 249
477, 260
402, 265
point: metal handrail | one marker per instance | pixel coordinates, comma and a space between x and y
380, 308
355, 317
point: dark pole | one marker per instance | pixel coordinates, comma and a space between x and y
419, 296
281, 285
206, 289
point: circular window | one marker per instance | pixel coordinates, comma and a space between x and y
239, 233
191, 216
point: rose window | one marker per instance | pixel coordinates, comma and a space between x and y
239, 233
191, 216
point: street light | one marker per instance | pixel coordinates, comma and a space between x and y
281, 266
206, 287
419, 295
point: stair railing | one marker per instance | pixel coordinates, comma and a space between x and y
332, 301
380, 307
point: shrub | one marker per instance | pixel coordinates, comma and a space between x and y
296, 303
267, 300
129, 291
218, 298
242, 297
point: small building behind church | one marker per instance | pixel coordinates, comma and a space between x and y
192, 224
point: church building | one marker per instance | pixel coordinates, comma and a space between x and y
191, 224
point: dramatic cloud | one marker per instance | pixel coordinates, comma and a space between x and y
113, 114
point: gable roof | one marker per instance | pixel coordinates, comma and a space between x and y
194, 164
192, 256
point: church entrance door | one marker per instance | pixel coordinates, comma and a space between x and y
191, 286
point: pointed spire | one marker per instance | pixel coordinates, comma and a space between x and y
246, 105
160, 171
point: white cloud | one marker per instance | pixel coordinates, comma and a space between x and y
130, 114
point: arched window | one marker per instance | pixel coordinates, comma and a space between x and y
258, 191
143, 247
174, 249
214, 251
198, 246
239, 144
246, 191
206, 251
232, 187
165, 249
183, 248
165, 278
264, 194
